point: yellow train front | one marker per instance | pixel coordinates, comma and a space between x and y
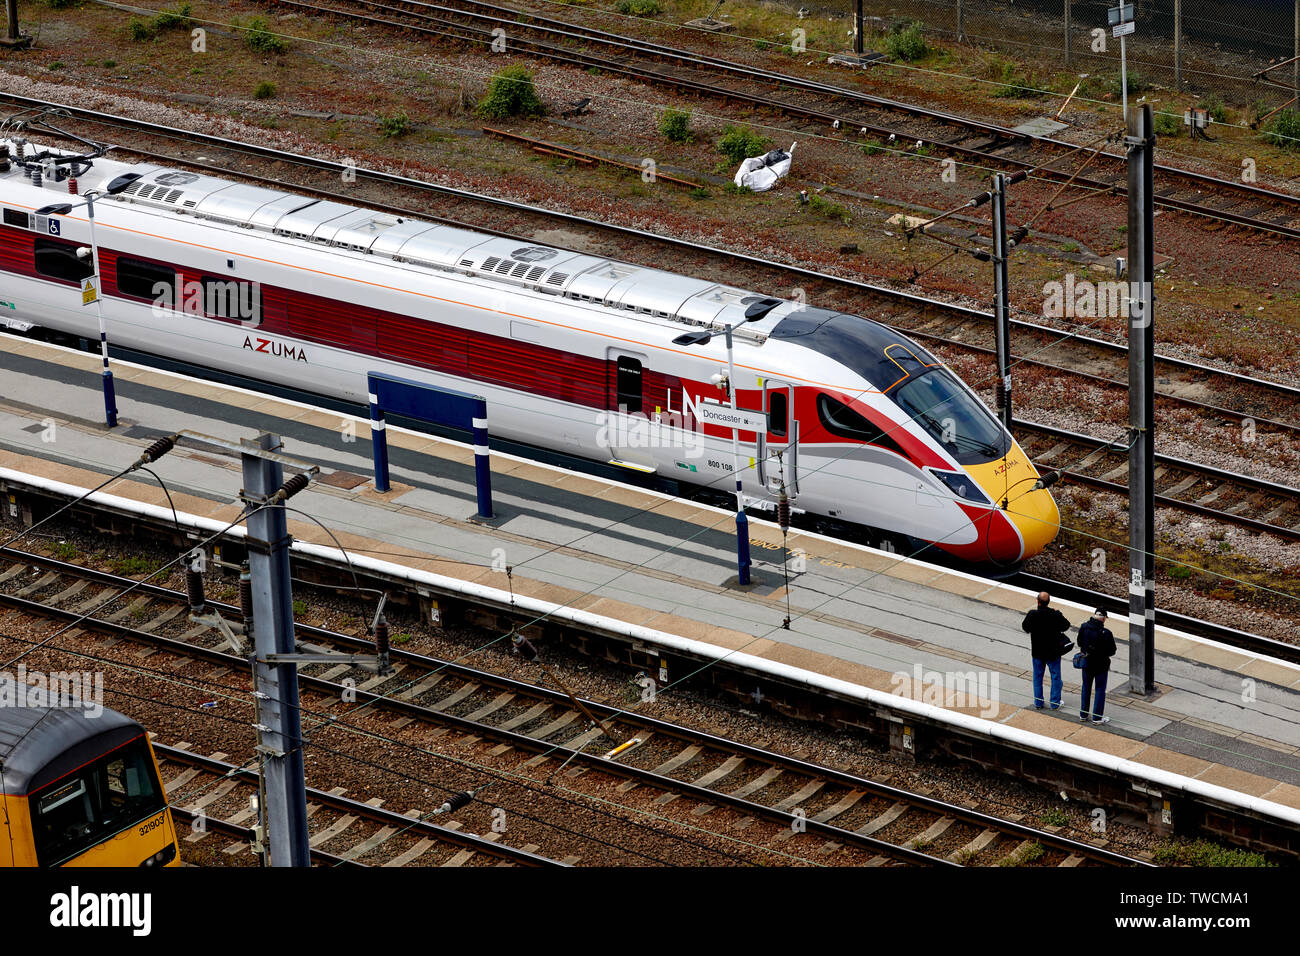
79, 786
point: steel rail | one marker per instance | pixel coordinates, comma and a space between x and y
924, 304
567, 30
424, 828
667, 728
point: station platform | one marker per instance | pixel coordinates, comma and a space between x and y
869, 618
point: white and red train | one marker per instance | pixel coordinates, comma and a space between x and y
573, 352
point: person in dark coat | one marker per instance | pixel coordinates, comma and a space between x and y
1046, 627
1098, 644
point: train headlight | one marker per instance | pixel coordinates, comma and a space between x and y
962, 485
162, 857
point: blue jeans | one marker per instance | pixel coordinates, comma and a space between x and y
1089, 681
1054, 665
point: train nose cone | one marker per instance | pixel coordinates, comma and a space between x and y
1030, 519
1038, 520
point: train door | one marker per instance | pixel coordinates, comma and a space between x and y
778, 450
627, 428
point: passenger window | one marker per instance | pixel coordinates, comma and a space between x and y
628, 386
59, 260
778, 412
141, 279
15, 217
232, 299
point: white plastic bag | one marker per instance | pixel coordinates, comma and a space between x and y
761, 173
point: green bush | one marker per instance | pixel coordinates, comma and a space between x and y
905, 41
640, 8
1166, 125
1213, 104
260, 39
177, 19
1013, 85
390, 127
1136, 83
139, 31
1205, 853
265, 90
739, 143
829, 209
511, 93
1284, 130
676, 126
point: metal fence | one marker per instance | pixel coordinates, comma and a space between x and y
1204, 46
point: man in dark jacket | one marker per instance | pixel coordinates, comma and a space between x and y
1046, 627
1098, 644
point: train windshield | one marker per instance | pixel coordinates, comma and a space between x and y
95, 802
953, 417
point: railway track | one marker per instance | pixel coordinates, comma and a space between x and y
1223, 201
807, 812
1180, 484
219, 798
1272, 406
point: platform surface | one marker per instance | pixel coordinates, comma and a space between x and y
1222, 715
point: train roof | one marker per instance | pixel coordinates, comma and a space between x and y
882, 356
42, 743
653, 295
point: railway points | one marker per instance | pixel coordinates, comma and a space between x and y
647, 577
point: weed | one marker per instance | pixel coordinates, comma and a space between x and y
56, 65
1055, 817
1070, 246
699, 192
109, 64
299, 607
829, 209
1284, 130
401, 639
61, 4
511, 93
1167, 125
264, 91
1012, 84
66, 551
1180, 572
676, 126
1205, 853
906, 42
640, 8
139, 31
260, 39
132, 565
739, 143
1213, 105
176, 19
391, 127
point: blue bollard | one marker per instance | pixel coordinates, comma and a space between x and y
379, 445
482, 468
110, 398
742, 547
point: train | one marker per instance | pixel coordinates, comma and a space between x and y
583, 356
79, 786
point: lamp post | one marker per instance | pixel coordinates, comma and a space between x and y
62, 209
742, 520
